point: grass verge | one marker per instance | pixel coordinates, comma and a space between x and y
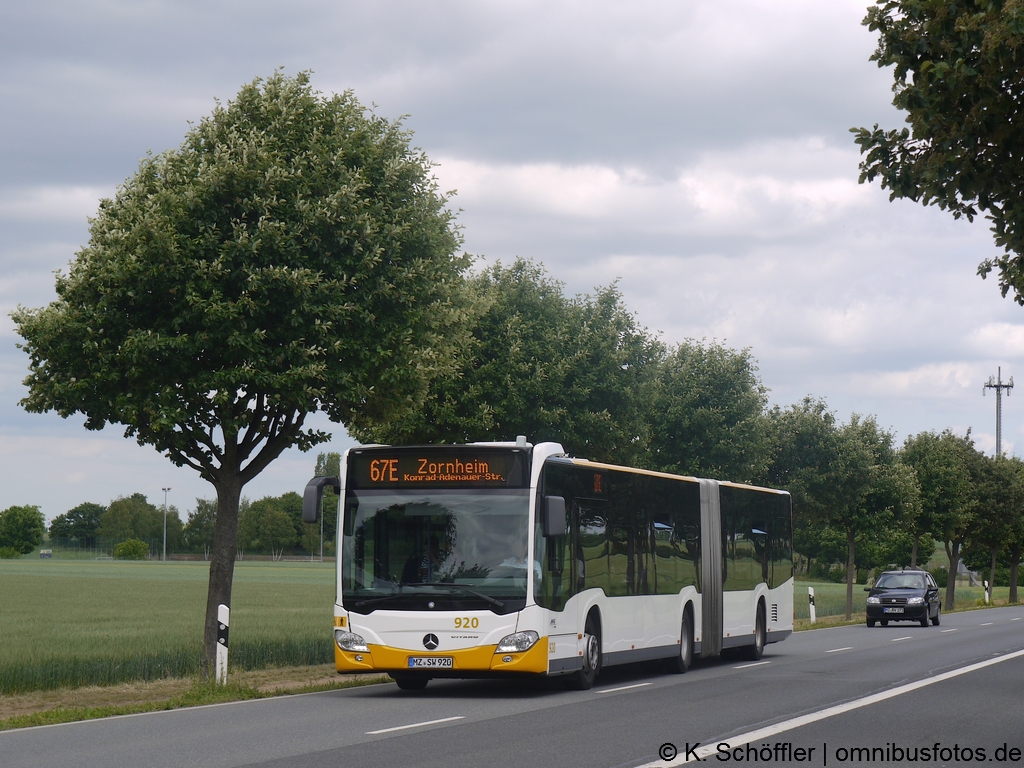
67, 706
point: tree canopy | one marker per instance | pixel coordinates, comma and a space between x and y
80, 523
958, 73
540, 364
22, 528
944, 464
706, 414
292, 255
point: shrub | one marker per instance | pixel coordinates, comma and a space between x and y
941, 576
133, 549
9, 553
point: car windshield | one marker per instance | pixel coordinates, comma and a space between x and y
449, 549
900, 581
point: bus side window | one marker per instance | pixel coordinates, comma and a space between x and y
593, 548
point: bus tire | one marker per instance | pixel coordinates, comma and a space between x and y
583, 680
678, 664
755, 651
411, 682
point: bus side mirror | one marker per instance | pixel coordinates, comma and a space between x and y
554, 516
314, 494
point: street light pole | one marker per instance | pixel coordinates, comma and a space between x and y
165, 490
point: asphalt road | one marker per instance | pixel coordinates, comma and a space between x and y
959, 686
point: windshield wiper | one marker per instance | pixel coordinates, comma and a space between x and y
383, 599
434, 584
467, 590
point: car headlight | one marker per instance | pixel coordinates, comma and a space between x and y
915, 601
350, 641
873, 600
517, 643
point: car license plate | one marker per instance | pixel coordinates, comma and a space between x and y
892, 610
430, 662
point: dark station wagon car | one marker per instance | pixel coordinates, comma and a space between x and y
907, 595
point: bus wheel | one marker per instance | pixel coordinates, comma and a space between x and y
584, 679
754, 652
411, 683
678, 665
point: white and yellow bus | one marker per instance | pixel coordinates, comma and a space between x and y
494, 559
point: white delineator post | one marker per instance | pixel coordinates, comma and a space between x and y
810, 602
223, 616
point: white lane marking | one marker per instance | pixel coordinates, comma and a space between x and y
897, 639
986, 624
797, 722
1017, 619
948, 630
837, 650
623, 688
415, 725
755, 664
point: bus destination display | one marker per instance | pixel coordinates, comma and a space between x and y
463, 469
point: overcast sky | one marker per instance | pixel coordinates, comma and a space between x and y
698, 152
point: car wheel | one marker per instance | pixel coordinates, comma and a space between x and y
871, 622
884, 622
924, 619
938, 613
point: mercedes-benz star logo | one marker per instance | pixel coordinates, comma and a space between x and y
430, 642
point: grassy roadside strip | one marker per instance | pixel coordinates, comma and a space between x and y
72, 705
823, 622
68, 706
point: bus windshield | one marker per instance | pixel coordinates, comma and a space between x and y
452, 549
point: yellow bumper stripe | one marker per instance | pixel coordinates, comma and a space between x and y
383, 658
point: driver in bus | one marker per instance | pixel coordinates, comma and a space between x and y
420, 570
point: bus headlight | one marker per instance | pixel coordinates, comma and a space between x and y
349, 641
517, 643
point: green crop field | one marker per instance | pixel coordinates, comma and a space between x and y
73, 623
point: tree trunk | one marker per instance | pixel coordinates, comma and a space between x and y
1014, 554
850, 573
913, 552
992, 577
953, 553
222, 565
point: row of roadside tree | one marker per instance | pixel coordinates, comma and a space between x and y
582, 372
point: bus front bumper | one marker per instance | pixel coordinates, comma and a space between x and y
481, 659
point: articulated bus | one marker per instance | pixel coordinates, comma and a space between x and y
493, 559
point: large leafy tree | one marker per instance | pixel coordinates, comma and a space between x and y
1015, 550
540, 364
80, 523
959, 77
199, 530
707, 414
843, 478
293, 255
133, 517
869, 487
22, 528
945, 465
1000, 502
